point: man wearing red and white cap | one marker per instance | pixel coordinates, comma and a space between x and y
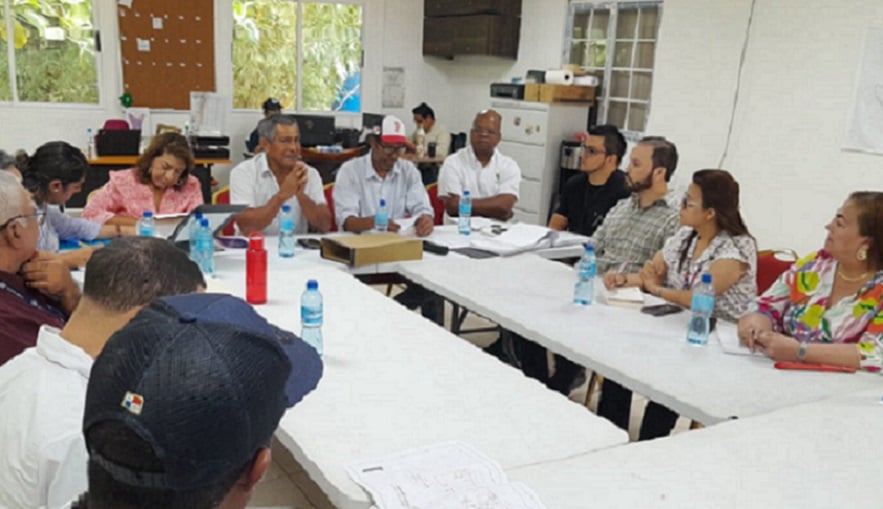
362, 182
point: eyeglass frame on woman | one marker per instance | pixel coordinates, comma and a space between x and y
687, 202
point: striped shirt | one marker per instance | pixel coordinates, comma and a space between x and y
633, 234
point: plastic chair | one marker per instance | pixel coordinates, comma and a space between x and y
770, 264
438, 207
222, 197
458, 141
329, 198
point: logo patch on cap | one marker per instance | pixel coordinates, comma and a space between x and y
133, 402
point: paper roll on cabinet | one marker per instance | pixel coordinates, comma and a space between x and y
471, 27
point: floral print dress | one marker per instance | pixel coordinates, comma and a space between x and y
797, 303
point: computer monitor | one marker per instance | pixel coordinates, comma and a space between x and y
315, 130
371, 120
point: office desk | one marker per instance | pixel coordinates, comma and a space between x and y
532, 297
394, 381
100, 168
817, 455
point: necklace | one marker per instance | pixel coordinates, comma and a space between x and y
851, 279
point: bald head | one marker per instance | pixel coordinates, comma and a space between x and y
485, 134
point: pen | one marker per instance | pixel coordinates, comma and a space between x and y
621, 271
813, 367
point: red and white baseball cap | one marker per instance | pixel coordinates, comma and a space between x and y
393, 131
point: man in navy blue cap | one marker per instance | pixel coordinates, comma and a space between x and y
184, 400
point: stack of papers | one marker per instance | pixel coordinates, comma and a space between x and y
627, 297
517, 239
450, 475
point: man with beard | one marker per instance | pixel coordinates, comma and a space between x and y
632, 232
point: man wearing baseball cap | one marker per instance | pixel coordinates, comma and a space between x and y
380, 174
183, 401
271, 106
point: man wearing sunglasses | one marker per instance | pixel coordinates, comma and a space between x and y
587, 197
362, 182
35, 288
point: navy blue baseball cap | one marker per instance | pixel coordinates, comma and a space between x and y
272, 104
203, 380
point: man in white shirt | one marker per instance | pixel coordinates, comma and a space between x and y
362, 182
42, 390
490, 177
278, 177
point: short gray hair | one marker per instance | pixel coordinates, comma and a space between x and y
10, 196
267, 126
6, 160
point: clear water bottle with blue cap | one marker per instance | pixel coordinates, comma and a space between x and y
146, 225
584, 289
286, 232
464, 221
90, 144
381, 218
205, 246
311, 316
701, 307
194, 230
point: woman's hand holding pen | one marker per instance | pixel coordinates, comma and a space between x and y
616, 278
751, 326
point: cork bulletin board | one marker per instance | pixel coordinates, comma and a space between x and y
167, 50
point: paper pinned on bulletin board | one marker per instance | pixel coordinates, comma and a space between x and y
207, 113
865, 128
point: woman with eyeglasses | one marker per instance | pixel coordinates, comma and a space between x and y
53, 174
160, 182
712, 239
828, 307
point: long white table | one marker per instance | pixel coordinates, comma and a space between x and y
532, 296
394, 381
817, 455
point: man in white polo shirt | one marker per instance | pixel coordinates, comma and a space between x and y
278, 177
490, 177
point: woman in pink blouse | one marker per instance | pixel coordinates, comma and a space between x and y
160, 182
828, 308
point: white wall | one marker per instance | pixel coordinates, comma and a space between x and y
797, 87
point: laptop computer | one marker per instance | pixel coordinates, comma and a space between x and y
219, 216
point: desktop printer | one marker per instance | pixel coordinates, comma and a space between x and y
210, 147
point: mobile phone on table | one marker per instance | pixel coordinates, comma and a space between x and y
662, 309
309, 243
233, 242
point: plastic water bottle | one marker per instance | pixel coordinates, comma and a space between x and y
311, 316
194, 230
701, 307
146, 225
584, 289
286, 232
381, 218
90, 144
205, 247
464, 221
420, 141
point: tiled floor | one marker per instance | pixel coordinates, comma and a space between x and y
287, 485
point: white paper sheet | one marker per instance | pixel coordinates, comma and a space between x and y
728, 336
628, 297
518, 238
444, 476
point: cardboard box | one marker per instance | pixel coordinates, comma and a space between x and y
545, 93
358, 250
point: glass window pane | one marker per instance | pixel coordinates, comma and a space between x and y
616, 114
579, 54
648, 23
637, 117
619, 84
626, 22
599, 24
332, 57
644, 55
597, 54
581, 25
5, 91
641, 82
55, 51
623, 54
264, 52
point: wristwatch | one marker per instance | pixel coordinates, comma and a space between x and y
801, 351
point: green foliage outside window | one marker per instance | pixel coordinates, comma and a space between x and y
54, 51
265, 53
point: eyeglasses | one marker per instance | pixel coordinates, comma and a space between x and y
398, 150
38, 214
689, 203
484, 132
593, 151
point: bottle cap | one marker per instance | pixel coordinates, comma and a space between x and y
590, 247
465, 193
147, 213
203, 222
312, 284
286, 208
382, 202
198, 216
706, 278
256, 241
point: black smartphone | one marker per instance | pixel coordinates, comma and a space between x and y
309, 243
662, 309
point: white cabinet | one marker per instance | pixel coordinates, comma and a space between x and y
532, 134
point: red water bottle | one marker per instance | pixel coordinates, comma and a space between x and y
256, 270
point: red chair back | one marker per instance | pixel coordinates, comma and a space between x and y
438, 208
770, 264
329, 197
222, 197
